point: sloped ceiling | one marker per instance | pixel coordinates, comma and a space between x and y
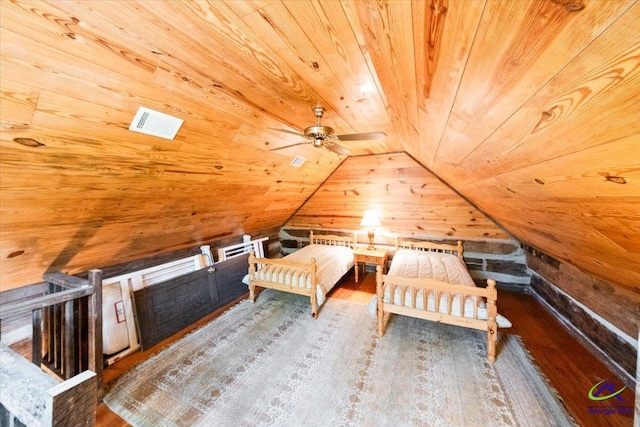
527, 108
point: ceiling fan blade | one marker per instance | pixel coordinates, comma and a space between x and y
338, 149
288, 146
362, 136
291, 132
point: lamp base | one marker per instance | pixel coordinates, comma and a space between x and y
371, 235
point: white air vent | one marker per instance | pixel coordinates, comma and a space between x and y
155, 123
298, 161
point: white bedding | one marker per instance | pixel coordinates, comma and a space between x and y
443, 267
333, 262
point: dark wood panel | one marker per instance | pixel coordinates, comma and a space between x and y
229, 276
616, 304
619, 350
168, 307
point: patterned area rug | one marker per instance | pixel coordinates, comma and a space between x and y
271, 364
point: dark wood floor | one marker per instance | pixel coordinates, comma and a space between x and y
570, 368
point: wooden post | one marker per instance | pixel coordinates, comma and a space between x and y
311, 237
380, 302
94, 319
492, 325
252, 272
314, 286
460, 250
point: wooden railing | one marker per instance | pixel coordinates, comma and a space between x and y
241, 249
66, 314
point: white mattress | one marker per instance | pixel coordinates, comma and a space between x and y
443, 267
333, 262
115, 336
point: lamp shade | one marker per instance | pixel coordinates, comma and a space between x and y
370, 219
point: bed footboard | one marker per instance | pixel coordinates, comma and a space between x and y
278, 270
429, 299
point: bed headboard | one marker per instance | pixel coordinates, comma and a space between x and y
333, 240
431, 247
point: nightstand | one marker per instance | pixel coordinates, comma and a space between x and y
374, 256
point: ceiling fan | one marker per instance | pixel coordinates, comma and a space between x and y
323, 136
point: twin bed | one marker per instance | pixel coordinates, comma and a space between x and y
312, 271
430, 281
425, 280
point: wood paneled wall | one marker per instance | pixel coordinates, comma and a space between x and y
618, 306
411, 202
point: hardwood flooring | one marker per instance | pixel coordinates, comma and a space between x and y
570, 368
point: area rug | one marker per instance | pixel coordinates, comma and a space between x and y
271, 364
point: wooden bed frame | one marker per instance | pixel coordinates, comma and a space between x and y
310, 268
437, 287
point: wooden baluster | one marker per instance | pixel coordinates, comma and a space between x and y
82, 333
380, 302
492, 325
252, 272
475, 307
36, 339
48, 334
314, 285
56, 358
69, 347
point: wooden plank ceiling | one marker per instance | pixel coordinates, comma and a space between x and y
527, 108
408, 200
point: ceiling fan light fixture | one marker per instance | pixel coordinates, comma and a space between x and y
318, 131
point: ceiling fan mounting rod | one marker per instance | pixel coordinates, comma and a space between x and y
318, 111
